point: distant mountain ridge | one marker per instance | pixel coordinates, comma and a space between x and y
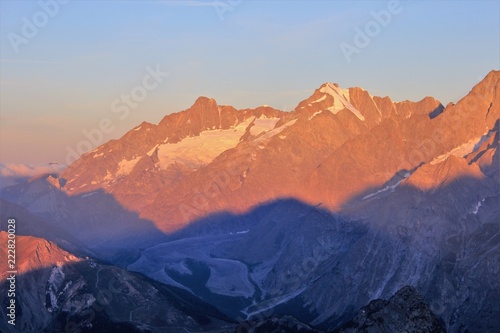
214, 136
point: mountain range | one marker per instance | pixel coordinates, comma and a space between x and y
350, 213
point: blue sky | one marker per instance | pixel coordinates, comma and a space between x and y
64, 79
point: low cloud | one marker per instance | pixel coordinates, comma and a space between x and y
18, 170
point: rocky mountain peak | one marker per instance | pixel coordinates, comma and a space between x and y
204, 102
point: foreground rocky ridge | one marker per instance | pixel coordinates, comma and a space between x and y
59, 292
406, 311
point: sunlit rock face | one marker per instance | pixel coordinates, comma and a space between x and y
310, 214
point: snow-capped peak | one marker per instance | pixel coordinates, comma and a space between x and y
341, 99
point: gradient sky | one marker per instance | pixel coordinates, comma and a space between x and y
65, 78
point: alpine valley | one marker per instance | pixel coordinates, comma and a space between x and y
351, 213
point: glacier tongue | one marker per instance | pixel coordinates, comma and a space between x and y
200, 150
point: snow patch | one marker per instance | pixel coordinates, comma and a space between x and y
150, 153
88, 194
53, 285
483, 139
56, 275
263, 124
340, 100
387, 188
108, 176
460, 151
98, 155
203, 149
125, 167
478, 205
315, 114
320, 99
275, 131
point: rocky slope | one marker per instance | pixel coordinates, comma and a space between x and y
59, 292
406, 311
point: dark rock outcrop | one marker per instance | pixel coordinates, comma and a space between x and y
406, 311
